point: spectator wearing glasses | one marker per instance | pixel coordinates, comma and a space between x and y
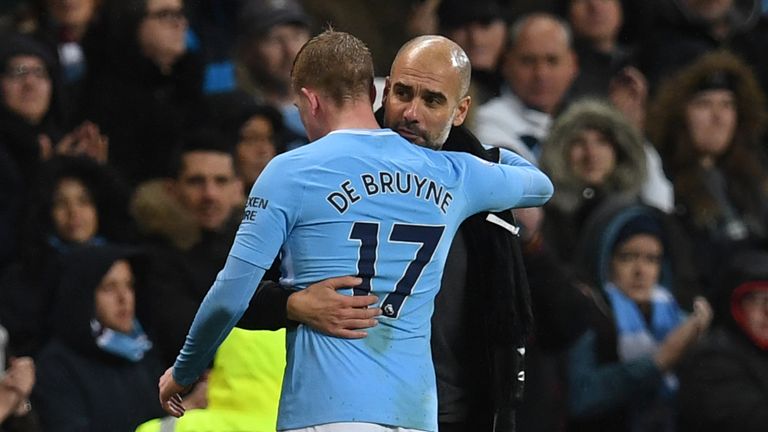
144, 87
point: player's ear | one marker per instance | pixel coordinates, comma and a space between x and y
372, 92
312, 99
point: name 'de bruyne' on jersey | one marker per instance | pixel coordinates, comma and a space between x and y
391, 183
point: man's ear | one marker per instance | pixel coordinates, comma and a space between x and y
385, 93
372, 92
313, 101
462, 109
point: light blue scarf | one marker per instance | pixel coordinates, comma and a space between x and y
635, 338
130, 346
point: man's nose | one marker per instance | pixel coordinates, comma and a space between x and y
412, 112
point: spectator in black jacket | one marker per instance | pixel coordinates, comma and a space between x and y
724, 382
98, 372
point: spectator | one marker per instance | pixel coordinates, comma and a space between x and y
592, 154
686, 29
538, 68
707, 122
596, 25
144, 88
480, 29
189, 222
620, 372
15, 387
79, 203
61, 26
28, 120
270, 34
257, 130
723, 383
98, 372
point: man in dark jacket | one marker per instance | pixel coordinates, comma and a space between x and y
482, 313
201, 197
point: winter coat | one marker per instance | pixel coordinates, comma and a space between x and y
81, 387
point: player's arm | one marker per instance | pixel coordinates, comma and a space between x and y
269, 216
318, 306
222, 307
513, 184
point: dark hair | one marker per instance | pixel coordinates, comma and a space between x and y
204, 139
640, 224
108, 192
230, 111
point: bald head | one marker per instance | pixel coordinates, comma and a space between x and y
440, 52
426, 91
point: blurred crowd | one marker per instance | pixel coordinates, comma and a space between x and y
131, 132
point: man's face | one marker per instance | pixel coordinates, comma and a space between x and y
482, 41
162, 32
26, 87
270, 57
422, 99
540, 67
595, 20
207, 187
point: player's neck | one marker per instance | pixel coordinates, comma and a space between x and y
354, 115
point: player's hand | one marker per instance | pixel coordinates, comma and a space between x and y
322, 308
170, 394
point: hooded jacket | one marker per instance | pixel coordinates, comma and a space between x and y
81, 387
19, 148
574, 199
604, 390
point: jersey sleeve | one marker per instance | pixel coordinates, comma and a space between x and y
270, 213
495, 187
220, 310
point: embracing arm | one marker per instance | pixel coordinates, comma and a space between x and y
318, 306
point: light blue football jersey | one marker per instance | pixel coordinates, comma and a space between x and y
369, 203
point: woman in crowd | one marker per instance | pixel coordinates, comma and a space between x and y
79, 203
98, 372
591, 154
707, 122
621, 371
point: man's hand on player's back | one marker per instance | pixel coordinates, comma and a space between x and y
322, 308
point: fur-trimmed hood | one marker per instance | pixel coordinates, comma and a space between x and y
159, 215
630, 172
